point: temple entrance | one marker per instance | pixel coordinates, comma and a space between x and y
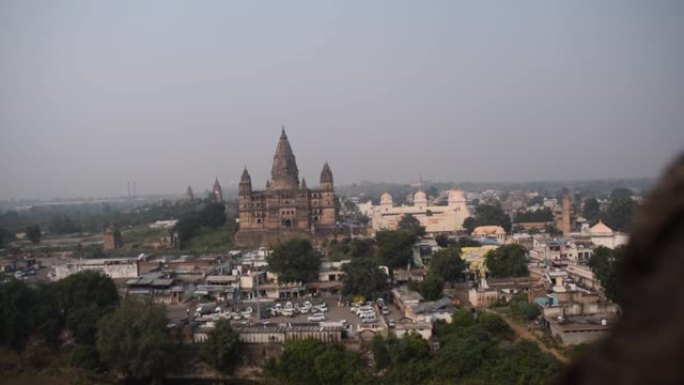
287, 223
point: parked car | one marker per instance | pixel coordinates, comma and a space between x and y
322, 307
385, 310
287, 312
391, 323
316, 317
370, 318
305, 309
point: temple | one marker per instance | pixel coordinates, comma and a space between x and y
287, 208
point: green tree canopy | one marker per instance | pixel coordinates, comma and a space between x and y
85, 297
222, 348
604, 265
488, 215
442, 240
133, 340
620, 212
431, 287
507, 261
621, 192
311, 361
362, 276
295, 260
395, 248
591, 209
62, 224
16, 314
411, 224
541, 215
447, 264
34, 234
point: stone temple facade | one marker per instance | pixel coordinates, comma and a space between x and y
287, 208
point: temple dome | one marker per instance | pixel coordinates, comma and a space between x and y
386, 199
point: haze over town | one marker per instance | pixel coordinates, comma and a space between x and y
169, 94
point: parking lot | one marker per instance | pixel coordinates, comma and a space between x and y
335, 313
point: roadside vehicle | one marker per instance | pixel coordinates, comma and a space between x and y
364, 309
385, 310
287, 312
316, 317
369, 318
322, 307
391, 323
305, 309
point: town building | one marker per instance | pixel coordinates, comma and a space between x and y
288, 208
435, 219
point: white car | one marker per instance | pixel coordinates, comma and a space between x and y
287, 312
317, 317
322, 307
305, 309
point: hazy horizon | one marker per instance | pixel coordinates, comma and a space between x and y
170, 94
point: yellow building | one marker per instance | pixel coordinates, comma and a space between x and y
435, 219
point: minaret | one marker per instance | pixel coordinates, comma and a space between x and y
189, 194
284, 173
217, 192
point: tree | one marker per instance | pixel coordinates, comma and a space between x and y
469, 224
541, 215
85, 297
442, 240
591, 209
33, 233
62, 224
432, 286
495, 325
361, 248
603, 264
16, 315
447, 264
522, 309
552, 230
5, 237
411, 224
134, 341
295, 261
395, 248
620, 213
492, 215
362, 276
381, 354
621, 192
222, 348
311, 361
188, 228
507, 261
213, 215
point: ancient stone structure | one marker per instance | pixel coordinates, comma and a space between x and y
287, 208
112, 238
217, 192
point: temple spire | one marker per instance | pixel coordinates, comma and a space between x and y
284, 174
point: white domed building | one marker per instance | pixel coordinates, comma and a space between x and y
435, 219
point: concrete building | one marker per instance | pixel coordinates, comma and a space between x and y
435, 219
602, 235
115, 268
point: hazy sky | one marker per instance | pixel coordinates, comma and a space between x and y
171, 93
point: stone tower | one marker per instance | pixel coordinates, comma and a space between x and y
284, 173
217, 192
565, 215
112, 238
